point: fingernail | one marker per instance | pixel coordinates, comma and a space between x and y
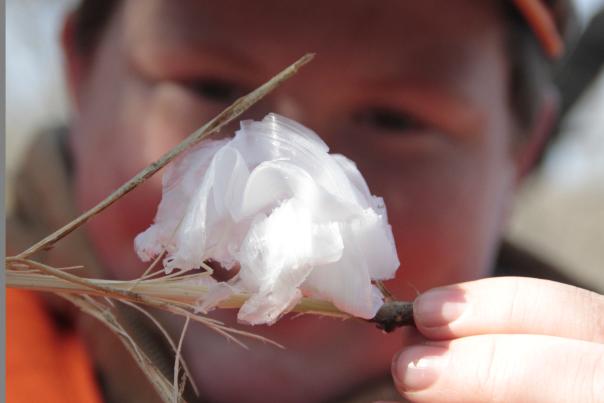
439, 307
418, 367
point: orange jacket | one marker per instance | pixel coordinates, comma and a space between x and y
43, 364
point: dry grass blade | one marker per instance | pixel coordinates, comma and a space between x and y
213, 126
25, 273
168, 339
176, 292
179, 299
146, 273
177, 359
104, 314
181, 295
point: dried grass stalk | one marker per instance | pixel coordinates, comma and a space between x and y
213, 126
177, 293
26, 273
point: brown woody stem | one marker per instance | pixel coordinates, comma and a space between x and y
394, 314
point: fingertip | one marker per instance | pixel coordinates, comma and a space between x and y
417, 367
436, 309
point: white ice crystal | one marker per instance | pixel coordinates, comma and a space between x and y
294, 218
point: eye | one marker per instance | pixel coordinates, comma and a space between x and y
215, 89
388, 120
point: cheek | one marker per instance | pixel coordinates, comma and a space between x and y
445, 207
163, 116
116, 138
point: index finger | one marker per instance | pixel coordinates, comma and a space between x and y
510, 305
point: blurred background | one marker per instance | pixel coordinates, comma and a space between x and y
559, 213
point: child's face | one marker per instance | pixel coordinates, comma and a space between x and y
415, 92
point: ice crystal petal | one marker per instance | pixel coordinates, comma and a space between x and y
296, 219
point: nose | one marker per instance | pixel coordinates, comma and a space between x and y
288, 106
308, 114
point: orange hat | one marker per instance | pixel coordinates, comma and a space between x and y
547, 19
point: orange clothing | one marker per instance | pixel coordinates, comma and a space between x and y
43, 364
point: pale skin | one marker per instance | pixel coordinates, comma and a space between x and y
420, 100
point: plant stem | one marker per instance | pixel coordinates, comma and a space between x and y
180, 292
213, 126
394, 314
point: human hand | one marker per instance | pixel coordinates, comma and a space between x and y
506, 339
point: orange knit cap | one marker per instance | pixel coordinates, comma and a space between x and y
547, 20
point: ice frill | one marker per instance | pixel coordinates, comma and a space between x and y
294, 218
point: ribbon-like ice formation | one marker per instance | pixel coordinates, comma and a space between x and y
296, 219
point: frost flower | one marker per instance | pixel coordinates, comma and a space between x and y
297, 220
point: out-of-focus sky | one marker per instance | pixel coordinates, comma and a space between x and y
35, 92
559, 213
587, 8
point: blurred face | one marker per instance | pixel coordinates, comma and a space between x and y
418, 97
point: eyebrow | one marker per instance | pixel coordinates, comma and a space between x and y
432, 78
185, 53
414, 89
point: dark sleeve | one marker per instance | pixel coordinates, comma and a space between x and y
513, 260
